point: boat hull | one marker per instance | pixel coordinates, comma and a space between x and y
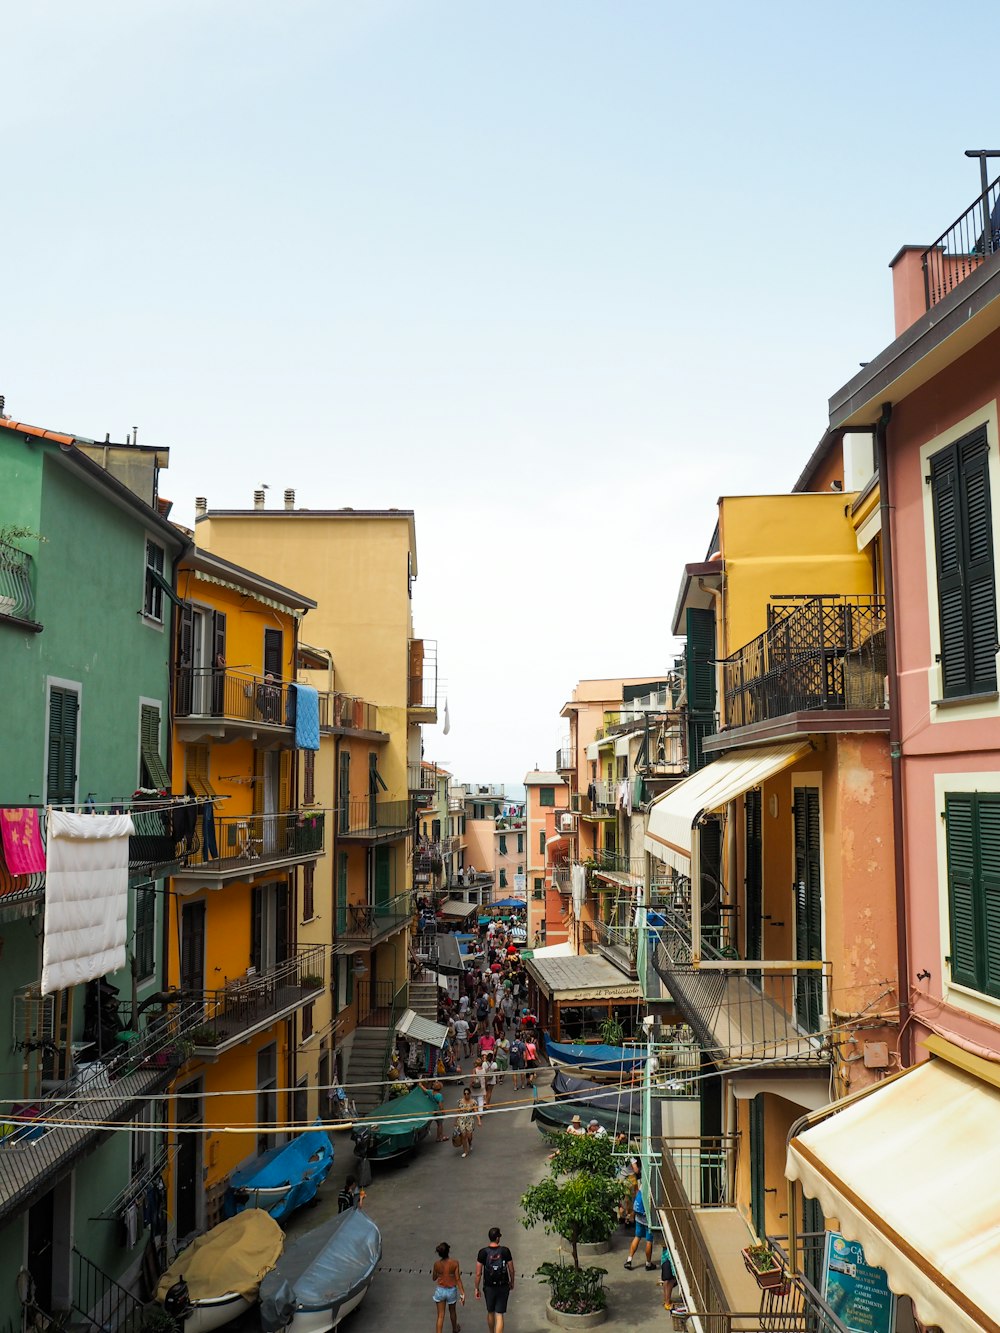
321, 1320
215, 1313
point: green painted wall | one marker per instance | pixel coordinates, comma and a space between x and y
89, 588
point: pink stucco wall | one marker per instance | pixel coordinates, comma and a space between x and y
949, 744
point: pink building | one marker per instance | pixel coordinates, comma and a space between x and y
912, 1170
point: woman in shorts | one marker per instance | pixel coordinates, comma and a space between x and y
448, 1289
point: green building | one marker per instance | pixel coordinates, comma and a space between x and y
86, 564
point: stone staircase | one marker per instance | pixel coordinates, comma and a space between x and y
423, 999
367, 1067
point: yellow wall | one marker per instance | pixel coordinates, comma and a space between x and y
785, 544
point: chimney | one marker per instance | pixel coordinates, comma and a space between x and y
258, 499
289, 498
200, 505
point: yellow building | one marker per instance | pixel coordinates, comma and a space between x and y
236, 905
358, 566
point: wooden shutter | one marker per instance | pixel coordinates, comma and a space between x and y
711, 876
960, 833
259, 782
808, 903
383, 885
285, 782
308, 892
282, 933
757, 1165
184, 692
341, 892
344, 791
754, 876
149, 744
196, 770
274, 653
308, 776
989, 869
256, 927
700, 654
60, 784
218, 663
963, 541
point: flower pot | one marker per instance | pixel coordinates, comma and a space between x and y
563, 1320
768, 1279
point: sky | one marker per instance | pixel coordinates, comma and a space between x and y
554, 274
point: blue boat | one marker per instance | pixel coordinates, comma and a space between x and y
283, 1178
601, 1063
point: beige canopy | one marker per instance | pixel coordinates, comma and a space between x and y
232, 1257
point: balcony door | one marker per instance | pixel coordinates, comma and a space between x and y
269, 928
188, 1162
754, 878
383, 880
808, 905
192, 976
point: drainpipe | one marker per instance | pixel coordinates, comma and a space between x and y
895, 738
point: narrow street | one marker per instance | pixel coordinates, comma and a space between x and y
441, 1197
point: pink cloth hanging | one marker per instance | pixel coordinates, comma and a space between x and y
22, 841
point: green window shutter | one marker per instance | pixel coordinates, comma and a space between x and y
960, 820
700, 654
520, 843
383, 887
503, 844
808, 904
344, 791
503, 878
341, 892
547, 796
989, 862
963, 545
541, 843
60, 785
149, 743
754, 873
757, 1165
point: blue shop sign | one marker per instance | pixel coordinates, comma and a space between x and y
857, 1293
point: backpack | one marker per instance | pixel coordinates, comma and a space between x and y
495, 1268
482, 1007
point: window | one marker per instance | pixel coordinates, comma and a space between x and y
267, 1095
196, 770
541, 843
152, 606
64, 712
461, 824
503, 878
963, 545
546, 796
520, 869
141, 1143
503, 844
153, 770
808, 903
308, 892
307, 1021
972, 827
344, 792
309, 776
520, 844
144, 943
268, 926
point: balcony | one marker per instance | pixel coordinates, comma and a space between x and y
224, 704
248, 846
618, 943
41, 1140
617, 868
744, 1011
363, 925
693, 1194
561, 880
347, 715
564, 759
255, 1001
17, 588
963, 248
824, 655
421, 783
367, 819
422, 683
484, 791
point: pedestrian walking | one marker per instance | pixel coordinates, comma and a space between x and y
479, 1086
495, 1275
465, 1125
436, 1094
462, 1037
448, 1288
490, 1071
351, 1196
643, 1232
668, 1277
502, 1057
517, 1060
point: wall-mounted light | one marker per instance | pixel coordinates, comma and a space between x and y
772, 805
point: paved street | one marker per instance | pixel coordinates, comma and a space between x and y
441, 1197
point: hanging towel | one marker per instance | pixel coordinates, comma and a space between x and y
86, 898
306, 717
22, 842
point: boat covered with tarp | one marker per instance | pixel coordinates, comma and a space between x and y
322, 1276
217, 1277
556, 1117
283, 1178
395, 1127
603, 1063
584, 1092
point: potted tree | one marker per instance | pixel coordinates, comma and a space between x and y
763, 1266
576, 1201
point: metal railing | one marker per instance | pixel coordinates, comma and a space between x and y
821, 653
370, 921
607, 795
100, 1301
17, 577
620, 941
564, 759
368, 817
423, 674
746, 1011
421, 780
242, 841
347, 712
963, 247
618, 865
41, 1139
484, 791
561, 879
253, 1001
236, 696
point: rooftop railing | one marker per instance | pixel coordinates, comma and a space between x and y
744, 1011
17, 597
963, 247
819, 653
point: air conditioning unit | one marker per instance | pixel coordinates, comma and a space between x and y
566, 823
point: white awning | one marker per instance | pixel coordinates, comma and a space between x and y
417, 1027
912, 1172
594, 749
458, 910
673, 815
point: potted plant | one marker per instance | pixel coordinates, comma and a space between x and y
311, 981
763, 1266
612, 1032
205, 1036
577, 1201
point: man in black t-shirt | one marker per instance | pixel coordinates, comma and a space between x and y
495, 1275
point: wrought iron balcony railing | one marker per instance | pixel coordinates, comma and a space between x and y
564, 759
252, 1002
42, 1138
963, 247
368, 922
234, 843
616, 868
744, 1011
17, 579
346, 712
819, 653
366, 817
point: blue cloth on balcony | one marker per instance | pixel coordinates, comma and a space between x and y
306, 717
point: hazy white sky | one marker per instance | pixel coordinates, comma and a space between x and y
555, 274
